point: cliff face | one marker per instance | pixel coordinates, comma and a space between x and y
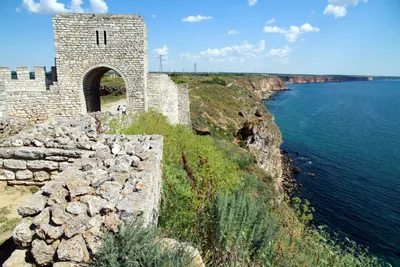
323, 79
266, 87
234, 111
263, 139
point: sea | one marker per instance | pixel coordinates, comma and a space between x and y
348, 134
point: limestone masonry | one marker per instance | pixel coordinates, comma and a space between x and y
87, 46
94, 183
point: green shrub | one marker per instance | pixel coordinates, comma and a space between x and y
185, 196
215, 80
244, 233
134, 246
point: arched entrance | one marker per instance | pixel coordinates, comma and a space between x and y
103, 83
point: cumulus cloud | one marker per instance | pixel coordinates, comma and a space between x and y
271, 21
338, 8
196, 18
53, 6
273, 29
163, 51
293, 33
98, 6
252, 2
232, 32
336, 11
240, 53
280, 53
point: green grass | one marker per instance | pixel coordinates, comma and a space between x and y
134, 246
227, 208
6, 224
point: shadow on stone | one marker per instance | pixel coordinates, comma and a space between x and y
6, 249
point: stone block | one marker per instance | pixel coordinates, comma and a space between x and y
6, 175
24, 175
42, 165
14, 164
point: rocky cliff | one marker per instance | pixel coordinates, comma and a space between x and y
234, 111
265, 88
322, 79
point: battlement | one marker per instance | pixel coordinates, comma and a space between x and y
21, 79
23, 74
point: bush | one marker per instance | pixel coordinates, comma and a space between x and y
187, 188
134, 246
245, 232
215, 80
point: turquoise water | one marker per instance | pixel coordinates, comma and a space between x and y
349, 135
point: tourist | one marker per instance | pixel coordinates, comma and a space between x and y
123, 109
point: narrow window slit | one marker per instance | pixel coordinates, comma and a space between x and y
105, 38
97, 37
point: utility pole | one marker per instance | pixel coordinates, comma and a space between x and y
161, 64
195, 67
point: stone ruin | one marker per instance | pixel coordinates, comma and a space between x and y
97, 182
86, 47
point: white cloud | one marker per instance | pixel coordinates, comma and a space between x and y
161, 51
293, 33
302, 39
240, 53
281, 53
97, 6
76, 6
336, 11
252, 2
196, 18
273, 29
232, 32
346, 2
53, 6
271, 21
153, 16
338, 8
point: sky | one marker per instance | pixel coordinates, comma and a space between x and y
351, 37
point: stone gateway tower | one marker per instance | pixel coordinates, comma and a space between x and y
87, 46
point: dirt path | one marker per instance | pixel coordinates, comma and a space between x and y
112, 107
10, 199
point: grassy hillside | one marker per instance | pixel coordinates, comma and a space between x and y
216, 197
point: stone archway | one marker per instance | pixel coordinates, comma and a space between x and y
91, 86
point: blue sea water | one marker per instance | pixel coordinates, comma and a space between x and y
349, 135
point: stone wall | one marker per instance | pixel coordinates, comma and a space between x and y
3, 102
117, 182
88, 45
23, 81
168, 98
184, 104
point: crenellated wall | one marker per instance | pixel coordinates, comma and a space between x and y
88, 46
23, 81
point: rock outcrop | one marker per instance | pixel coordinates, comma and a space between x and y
268, 86
263, 139
324, 79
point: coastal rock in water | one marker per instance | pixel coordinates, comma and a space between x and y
296, 170
312, 174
